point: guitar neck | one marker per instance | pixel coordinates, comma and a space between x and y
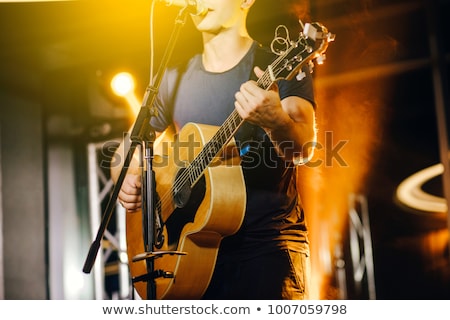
222, 137
213, 147
311, 44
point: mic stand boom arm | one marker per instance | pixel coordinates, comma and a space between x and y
141, 133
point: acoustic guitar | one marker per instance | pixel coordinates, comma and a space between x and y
200, 195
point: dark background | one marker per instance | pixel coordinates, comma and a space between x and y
375, 91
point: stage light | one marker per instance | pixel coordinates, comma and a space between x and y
122, 84
410, 192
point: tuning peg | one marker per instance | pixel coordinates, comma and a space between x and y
311, 66
331, 37
301, 75
320, 59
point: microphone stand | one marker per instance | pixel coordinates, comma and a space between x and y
142, 134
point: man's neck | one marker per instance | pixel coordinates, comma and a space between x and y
222, 52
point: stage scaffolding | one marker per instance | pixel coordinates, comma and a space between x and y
353, 256
110, 271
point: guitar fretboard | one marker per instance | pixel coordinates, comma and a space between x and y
212, 148
289, 61
227, 130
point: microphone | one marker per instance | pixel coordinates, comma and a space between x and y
197, 6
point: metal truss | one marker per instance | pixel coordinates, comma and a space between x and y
111, 273
357, 279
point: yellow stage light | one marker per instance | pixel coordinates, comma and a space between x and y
122, 84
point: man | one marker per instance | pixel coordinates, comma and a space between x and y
268, 257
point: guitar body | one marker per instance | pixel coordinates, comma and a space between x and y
209, 211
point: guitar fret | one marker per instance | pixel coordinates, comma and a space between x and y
220, 139
227, 129
218, 143
209, 152
197, 172
236, 120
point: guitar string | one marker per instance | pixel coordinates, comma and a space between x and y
232, 124
265, 79
208, 147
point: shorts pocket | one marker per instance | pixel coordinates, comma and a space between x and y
295, 286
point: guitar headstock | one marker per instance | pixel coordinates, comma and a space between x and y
311, 45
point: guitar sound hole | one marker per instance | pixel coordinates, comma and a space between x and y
185, 214
181, 193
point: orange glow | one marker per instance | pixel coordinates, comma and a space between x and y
349, 118
348, 135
